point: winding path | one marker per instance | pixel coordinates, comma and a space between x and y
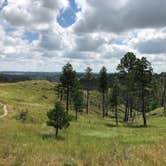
5, 111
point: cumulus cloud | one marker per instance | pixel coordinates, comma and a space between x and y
155, 46
102, 33
89, 43
32, 12
122, 15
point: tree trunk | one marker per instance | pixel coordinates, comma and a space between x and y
87, 102
76, 114
131, 109
116, 115
126, 110
143, 108
144, 118
56, 133
67, 100
103, 104
134, 116
107, 106
61, 96
165, 108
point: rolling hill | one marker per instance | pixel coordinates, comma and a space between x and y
90, 141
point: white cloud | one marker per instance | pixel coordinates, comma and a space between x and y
121, 15
103, 32
32, 12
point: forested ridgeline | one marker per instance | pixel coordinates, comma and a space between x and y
12, 77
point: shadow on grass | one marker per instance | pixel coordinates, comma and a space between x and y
138, 126
110, 125
72, 118
128, 125
135, 126
51, 136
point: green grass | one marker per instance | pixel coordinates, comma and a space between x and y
90, 141
159, 112
28, 92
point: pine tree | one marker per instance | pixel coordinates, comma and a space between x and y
103, 86
126, 68
77, 101
115, 99
67, 80
58, 118
88, 77
60, 91
143, 76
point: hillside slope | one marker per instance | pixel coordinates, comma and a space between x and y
91, 141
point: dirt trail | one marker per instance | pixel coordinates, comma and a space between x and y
5, 111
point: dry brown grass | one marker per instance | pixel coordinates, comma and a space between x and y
143, 155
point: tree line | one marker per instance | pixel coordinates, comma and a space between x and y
134, 86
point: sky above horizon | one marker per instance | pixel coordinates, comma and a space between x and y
43, 35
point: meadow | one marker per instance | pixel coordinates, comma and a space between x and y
90, 141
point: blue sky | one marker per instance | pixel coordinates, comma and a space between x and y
67, 16
3, 4
30, 36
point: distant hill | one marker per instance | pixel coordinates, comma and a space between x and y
15, 76
163, 74
24, 76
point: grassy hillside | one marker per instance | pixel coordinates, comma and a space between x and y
28, 92
91, 141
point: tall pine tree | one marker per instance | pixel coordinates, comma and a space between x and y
103, 87
143, 76
88, 78
126, 68
68, 79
